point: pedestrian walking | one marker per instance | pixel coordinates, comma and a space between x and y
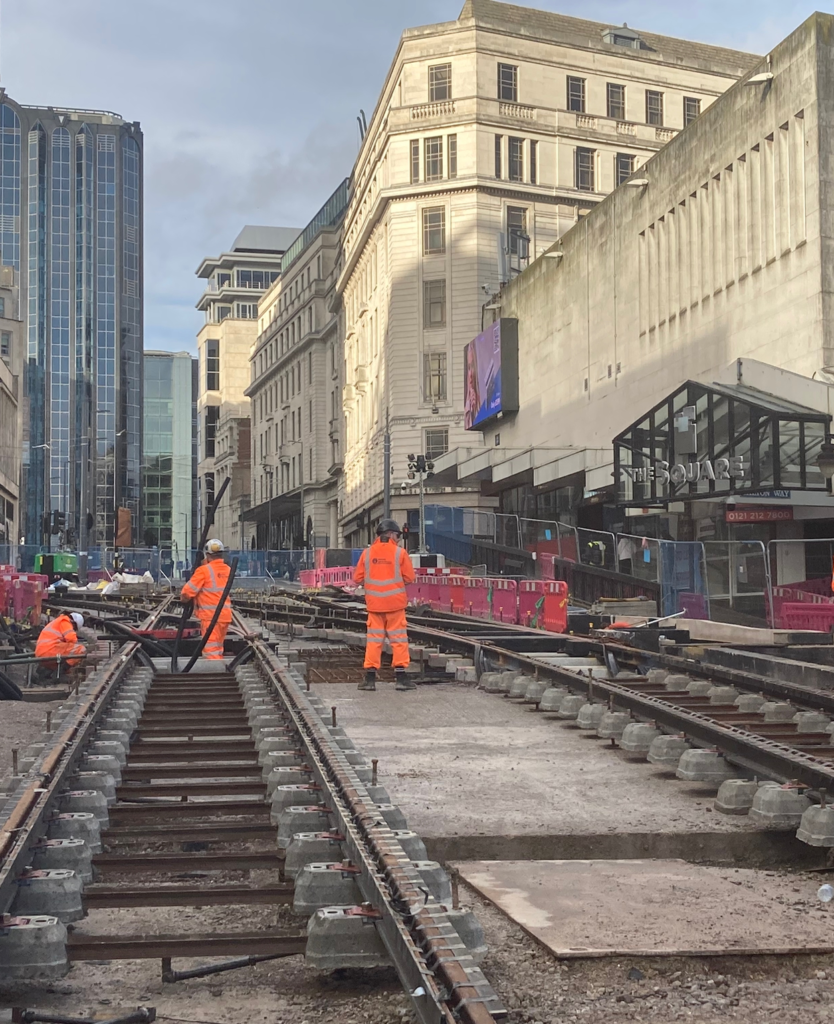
383, 570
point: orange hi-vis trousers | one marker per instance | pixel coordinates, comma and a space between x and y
214, 645
392, 624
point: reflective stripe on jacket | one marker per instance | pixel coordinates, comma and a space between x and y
384, 569
205, 587
58, 637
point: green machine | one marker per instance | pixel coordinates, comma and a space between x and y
57, 563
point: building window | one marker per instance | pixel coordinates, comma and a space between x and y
212, 416
440, 82
691, 109
222, 312
212, 365
434, 158
309, 367
5, 344
436, 442
434, 377
434, 231
624, 167
576, 94
517, 237
498, 142
2, 306
259, 279
508, 83
415, 160
452, 155
246, 310
616, 101
434, 303
534, 162
584, 169
515, 159
654, 108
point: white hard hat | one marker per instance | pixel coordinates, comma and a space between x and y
215, 547
78, 619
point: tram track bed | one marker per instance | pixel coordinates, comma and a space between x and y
190, 870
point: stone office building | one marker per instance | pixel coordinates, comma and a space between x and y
682, 331
296, 392
492, 136
235, 282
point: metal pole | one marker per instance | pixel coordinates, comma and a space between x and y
386, 471
83, 539
422, 518
303, 518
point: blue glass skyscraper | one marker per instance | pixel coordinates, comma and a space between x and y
71, 226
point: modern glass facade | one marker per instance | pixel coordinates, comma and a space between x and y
169, 461
80, 256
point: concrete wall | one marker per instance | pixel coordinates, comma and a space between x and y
718, 257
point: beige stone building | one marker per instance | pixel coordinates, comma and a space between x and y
493, 135
235, 281
296, 392
695, 307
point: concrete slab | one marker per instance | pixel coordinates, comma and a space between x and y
461, 762
747, 636
655, 908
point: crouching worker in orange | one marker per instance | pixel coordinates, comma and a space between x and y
58, 637
383, 570
205, 588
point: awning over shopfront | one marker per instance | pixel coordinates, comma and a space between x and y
712, 441
271, 511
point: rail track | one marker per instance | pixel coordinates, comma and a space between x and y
171, 790
768, 728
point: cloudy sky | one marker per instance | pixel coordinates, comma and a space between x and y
249, 109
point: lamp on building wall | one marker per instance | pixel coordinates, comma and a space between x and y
637, 183
825, 460
553, 254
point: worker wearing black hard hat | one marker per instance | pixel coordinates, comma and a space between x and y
384, 569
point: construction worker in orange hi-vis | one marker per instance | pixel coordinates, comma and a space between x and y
383, 570
58, 637
205, 589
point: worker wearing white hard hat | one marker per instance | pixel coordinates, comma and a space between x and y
205, 588
58, 638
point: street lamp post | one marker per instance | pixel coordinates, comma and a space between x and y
270, 472
185, 516
423, 469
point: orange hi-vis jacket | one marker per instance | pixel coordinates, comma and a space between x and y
205, 588
384, 569
58, 637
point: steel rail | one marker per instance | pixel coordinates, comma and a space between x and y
33, 804
442, 981
756, 753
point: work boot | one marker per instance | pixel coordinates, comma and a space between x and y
403, 682
370, 681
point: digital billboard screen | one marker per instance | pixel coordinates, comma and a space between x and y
491, 374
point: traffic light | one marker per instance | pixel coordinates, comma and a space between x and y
406, 531
59, 521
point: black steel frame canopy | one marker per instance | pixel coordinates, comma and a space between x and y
773, 440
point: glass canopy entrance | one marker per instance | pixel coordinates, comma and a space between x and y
713, 441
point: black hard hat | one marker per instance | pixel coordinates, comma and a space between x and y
387, 526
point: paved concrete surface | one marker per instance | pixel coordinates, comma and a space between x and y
668, 907
463, 762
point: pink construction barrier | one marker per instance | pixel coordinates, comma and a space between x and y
547, 560
476, 597
308, 578
531, 603
26, 597
335, 577
457, 594
555, 606
818, 617
502, 600
783, 596
444, 592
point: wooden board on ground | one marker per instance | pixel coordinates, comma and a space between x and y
582, 908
